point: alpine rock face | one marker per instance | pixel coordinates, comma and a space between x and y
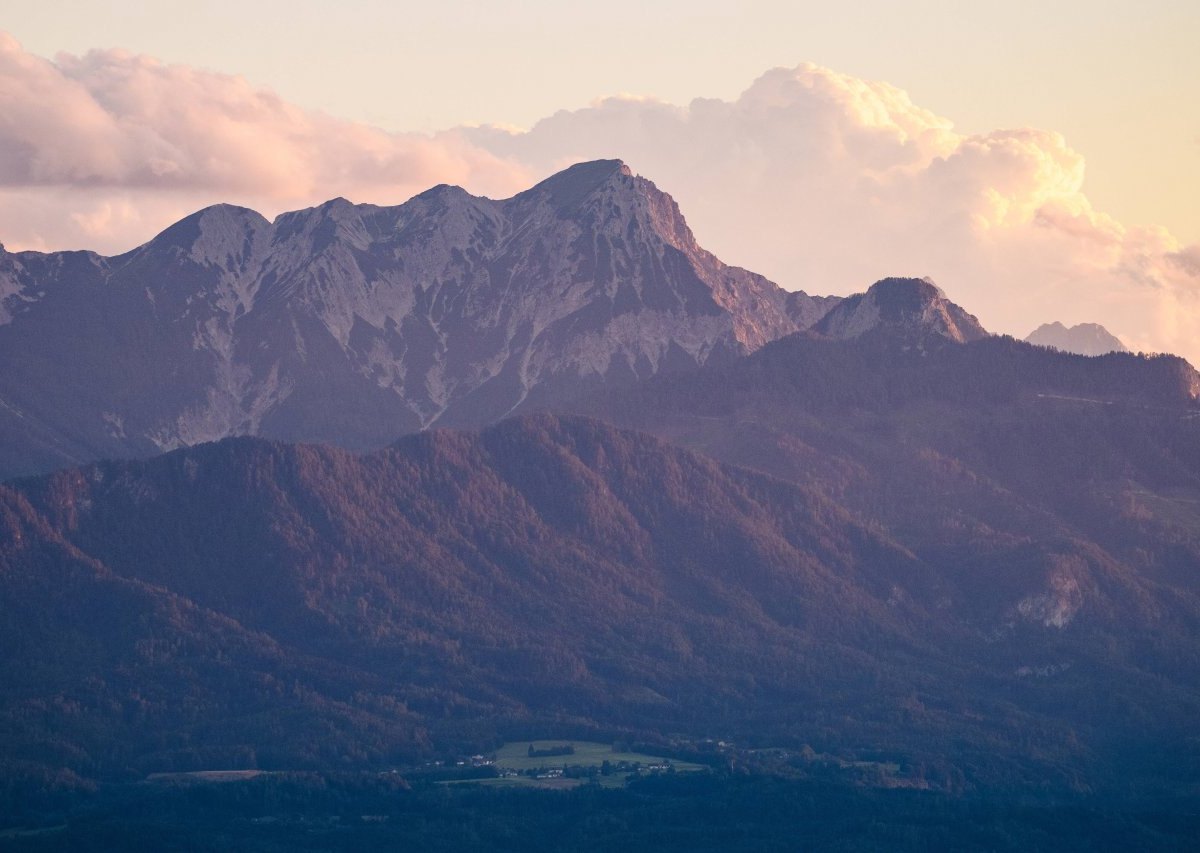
907, 305
354, 324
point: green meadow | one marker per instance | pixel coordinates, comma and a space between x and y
515, 756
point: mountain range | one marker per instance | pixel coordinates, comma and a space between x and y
355, 324
863, 525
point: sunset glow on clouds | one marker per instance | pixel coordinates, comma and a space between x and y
819, 180
101, 151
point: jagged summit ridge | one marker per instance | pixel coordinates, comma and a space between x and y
356, 323
908, 305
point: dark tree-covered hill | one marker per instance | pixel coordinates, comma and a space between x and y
255, 604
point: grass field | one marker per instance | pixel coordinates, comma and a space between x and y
515, 756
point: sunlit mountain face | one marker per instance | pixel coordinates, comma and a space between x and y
354, 324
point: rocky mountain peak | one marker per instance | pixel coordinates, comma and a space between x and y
607, 196
444, 193
221, 235
905, 295
568, 189
910, 305
335, 221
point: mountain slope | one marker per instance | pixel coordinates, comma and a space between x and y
354, 324
1055, 498
544, 570
549, 574
995, 454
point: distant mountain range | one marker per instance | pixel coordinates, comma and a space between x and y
355, 324
1082, 339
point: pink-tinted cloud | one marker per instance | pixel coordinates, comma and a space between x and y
99, 147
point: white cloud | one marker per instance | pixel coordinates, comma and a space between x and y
826, 182
819, 180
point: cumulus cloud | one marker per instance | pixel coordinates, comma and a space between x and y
826, 182
819, 180
95, 149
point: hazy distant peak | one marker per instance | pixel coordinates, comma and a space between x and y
1082, 339
908, 304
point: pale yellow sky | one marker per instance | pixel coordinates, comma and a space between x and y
1121, 81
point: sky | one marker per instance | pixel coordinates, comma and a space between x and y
1040, 161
